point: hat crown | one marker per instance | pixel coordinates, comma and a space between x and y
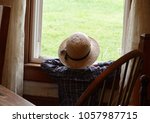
78, 51
78, 45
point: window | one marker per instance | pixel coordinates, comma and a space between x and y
51, 21
34, 39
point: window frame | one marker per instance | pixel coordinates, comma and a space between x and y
32, 69
33, 31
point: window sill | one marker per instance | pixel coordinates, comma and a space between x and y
33, 72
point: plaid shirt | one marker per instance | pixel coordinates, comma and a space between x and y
72, 82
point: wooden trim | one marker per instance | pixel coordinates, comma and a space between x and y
33, 72
32, 30
40, 89
27, 31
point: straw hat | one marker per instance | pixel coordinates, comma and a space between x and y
78, 51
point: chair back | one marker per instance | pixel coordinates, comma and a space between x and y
4, 24
114, 86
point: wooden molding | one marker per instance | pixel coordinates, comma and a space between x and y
33, 72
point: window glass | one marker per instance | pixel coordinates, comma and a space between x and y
100, 19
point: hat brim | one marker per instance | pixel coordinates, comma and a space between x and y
89, 60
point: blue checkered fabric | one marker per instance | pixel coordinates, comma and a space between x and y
72, 82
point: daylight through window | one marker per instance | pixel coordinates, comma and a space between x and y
100, 19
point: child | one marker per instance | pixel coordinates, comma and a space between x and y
75, 68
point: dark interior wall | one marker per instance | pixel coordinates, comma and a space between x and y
5, 16
1, 9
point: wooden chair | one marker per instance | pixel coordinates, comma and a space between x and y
124, 72
144, 46
5, 17
144, 91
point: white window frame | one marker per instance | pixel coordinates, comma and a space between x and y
36, 31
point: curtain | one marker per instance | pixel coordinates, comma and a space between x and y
136, 22
14, 56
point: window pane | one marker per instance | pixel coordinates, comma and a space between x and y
100, 19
